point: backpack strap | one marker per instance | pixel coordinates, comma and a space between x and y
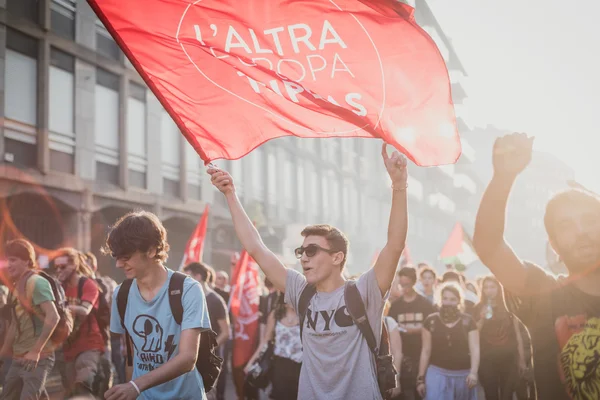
122, 298
80, 287
175, 295
356, 309
307, 294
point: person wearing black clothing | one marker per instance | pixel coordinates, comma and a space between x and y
410, 312
562, 313
217, 309
450, 355
502, 351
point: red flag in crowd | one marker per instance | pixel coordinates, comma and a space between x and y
458, 250
195, 245
244, 303
234, 74
406, 258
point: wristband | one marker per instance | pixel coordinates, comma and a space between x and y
399, 189
137, 389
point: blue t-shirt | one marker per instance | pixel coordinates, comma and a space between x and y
155, 336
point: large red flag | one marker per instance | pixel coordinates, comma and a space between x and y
244, 304
195, 245
234, 74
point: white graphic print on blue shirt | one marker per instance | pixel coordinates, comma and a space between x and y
155, 336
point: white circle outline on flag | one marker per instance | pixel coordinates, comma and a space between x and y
269, 111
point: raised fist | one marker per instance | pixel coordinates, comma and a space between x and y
512, 153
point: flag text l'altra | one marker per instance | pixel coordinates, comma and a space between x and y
234, 74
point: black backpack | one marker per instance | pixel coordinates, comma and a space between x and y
208, 363
65, 322
102, 314
386, 372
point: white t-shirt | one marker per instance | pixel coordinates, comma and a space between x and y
337, 363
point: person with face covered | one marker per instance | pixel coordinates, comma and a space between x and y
502, 348
337, 363
450, 354
562, 313
85, 346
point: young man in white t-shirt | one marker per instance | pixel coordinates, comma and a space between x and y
337, 362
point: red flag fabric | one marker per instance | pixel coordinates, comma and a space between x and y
234, 74
406, 258
195, 245
244, 304
458, 250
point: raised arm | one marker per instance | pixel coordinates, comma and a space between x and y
512, 153
387, 262
247, 233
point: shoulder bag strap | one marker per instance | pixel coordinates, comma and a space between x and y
356, 309
175, 295
122, 298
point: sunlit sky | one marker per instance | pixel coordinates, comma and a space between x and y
533, 66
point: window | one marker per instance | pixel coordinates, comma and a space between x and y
62, 18
107, 125
105, 44
326, 201
137, 150
272, 178
61, 111
170, 141
312, 186
26, 9
288, 182
353, 215
258, 182
20, 106
300, 187
21, 78
194, 172
334, 186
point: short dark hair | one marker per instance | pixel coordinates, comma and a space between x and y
336, 238
453, 276
570, 198
427, 269
409, 272
21, 249
198, 268
137, 231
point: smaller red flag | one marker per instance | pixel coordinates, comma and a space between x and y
406, 258
458, 250
244, 303
195, 245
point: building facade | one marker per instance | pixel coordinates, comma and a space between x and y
83, 141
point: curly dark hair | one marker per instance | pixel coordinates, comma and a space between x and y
137, 231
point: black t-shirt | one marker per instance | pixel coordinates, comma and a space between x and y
223, 294
217, 310
564, 324
266, 305
498, 334
450, 346
411, 314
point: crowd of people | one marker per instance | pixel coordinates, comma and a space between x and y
393, 332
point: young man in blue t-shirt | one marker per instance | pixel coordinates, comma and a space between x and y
164, 352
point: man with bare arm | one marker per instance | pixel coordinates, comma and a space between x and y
562, 313
337, 363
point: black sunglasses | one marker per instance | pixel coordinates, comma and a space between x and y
311, 250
